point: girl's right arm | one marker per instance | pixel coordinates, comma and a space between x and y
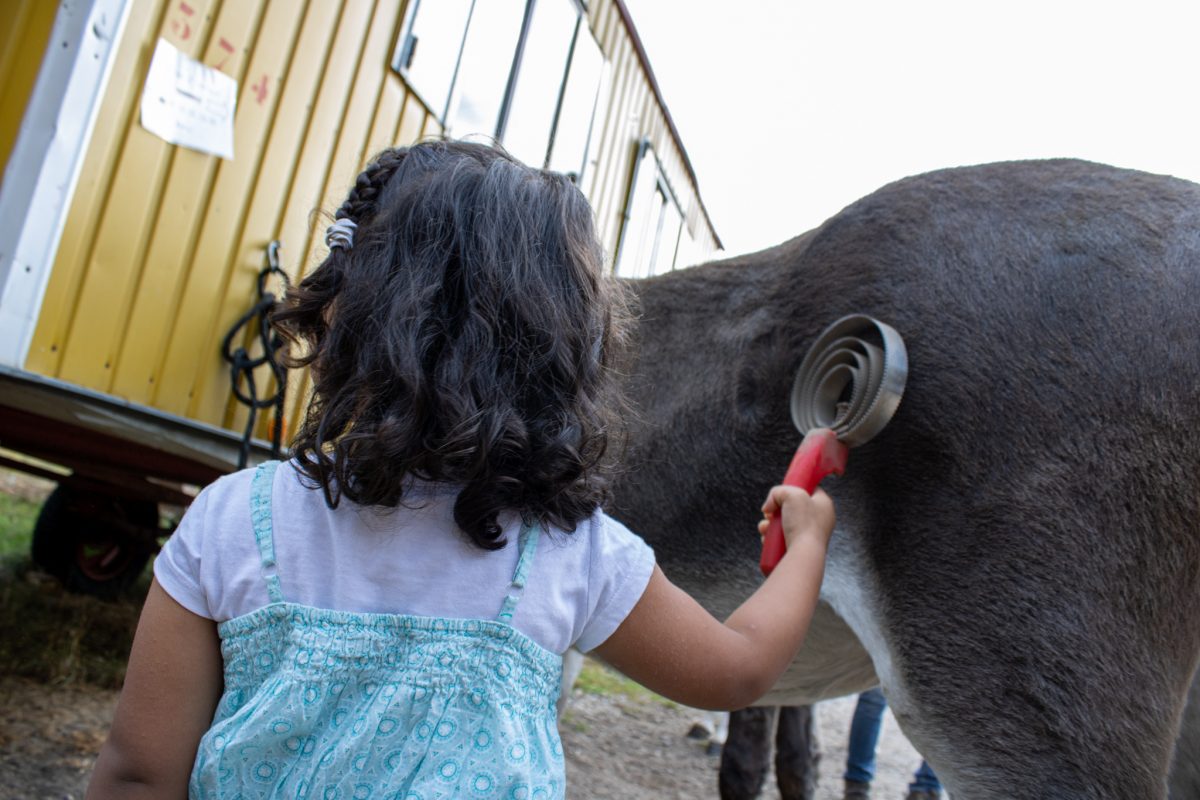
671, 645
171, 691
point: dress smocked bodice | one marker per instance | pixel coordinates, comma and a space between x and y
321, 645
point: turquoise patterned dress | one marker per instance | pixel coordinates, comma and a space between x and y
334, 705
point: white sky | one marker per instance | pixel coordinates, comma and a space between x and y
791, 109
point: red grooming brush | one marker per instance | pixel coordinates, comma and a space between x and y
846, 390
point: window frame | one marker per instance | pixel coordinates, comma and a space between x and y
602, 85
645, 153
404, 51
402, 61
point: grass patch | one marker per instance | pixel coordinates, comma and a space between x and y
47, 633
53, 636
598, 679
17, 517
569, 720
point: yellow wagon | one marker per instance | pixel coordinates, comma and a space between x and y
158, 152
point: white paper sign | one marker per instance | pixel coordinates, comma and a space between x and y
189, 104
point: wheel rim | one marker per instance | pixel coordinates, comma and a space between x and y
102, 561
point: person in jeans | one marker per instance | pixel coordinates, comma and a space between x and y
860, 755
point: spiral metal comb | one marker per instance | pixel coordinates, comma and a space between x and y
851, 380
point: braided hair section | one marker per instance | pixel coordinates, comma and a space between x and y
360, 205
302, 320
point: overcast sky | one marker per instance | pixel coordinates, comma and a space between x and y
791, 109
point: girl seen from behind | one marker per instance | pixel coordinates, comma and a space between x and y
384, 615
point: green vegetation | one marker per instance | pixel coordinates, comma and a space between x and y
46, 633
598, 679
51, 635
17, 517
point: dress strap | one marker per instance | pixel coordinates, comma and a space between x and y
260, 514
527, 541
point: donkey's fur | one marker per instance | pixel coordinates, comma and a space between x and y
1185, 771
1019, 550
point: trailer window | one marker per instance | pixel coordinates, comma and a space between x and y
666, 239
488, 54
527, 73
428, 50
580, 107
540, 79
653, 224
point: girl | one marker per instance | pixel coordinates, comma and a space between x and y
384, 615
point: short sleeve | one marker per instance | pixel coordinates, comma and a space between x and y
620, 566
177, 566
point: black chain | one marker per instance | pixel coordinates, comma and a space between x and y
242, 365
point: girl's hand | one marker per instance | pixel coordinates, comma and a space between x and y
803, 516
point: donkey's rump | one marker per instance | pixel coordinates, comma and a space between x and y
1019, 550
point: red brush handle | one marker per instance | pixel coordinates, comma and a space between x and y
817, 456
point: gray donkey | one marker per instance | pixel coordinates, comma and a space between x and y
1017, 557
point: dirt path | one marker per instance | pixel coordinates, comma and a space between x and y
616, 747
49, 738
619, 749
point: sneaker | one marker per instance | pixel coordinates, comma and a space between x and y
924, 794
856, 790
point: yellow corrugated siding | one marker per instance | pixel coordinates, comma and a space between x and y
25, 28
211, 396
217, 294
119, 251
387, 117
175, 231
609, 167
348, 151
617, 148
91, 201
162, 245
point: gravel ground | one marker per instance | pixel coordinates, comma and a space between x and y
616, 747
49, 738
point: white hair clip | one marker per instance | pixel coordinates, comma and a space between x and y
340, 234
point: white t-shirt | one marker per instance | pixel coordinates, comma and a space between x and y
580, 588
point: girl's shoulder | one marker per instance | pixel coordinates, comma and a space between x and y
603, 568
234, 492
610, 538
213, 557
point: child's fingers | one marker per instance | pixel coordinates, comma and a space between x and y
778, 496
773, 502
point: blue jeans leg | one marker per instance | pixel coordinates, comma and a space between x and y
864, 736
925, 780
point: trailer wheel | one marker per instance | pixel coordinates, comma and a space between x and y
94, 544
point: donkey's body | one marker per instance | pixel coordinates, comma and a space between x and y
1019, 550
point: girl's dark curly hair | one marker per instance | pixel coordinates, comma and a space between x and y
468, 337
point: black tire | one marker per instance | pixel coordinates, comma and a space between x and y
94, 544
